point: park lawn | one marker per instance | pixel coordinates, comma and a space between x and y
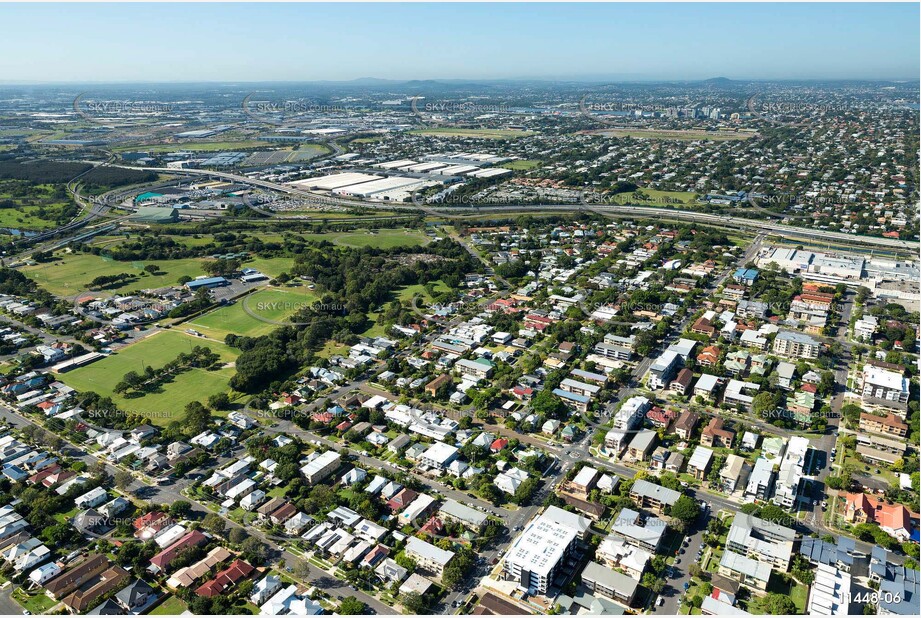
657, 198
273, 304
270, 266
474, 133
27, 217
676, 134
407, 293
521, 165
38, 603
191, 241
173, 606
71, 274
379, 239
25, 214
155, 351
333, 348
375, 330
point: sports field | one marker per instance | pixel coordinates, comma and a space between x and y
475, 133
521, 164
380, 239
274, 305
71, 274
155, 351
654, 197
677, 134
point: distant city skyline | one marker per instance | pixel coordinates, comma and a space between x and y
108, 43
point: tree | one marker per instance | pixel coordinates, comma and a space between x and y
351, 606
774, 603
123, 479
197, 418
255, 549
98, 468
653, 583
300, 568
237, 536
414, 602
214, 523
219, 401
685, 510
180, 509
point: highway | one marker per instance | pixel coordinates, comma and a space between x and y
608, 210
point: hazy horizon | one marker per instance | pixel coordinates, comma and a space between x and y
301, 43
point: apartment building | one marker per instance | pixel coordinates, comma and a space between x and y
663, 370
745, 570
885, 388
796, 345
739, 393
613, 351
653, 497
733, 473
321, 466
538, 553
609, 583
790, 479
686, 423
716, 435
479, 369
890, 425
699, 464
762, 540
427, 556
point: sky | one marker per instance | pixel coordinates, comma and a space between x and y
305, 42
